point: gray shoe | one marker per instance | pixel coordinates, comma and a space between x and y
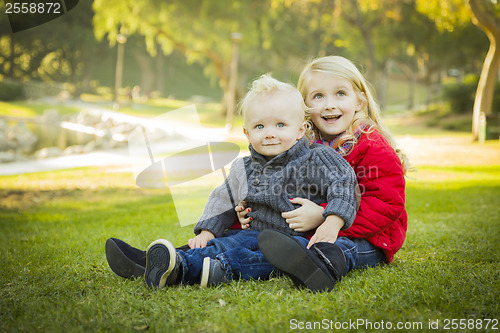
213, 273
163, 264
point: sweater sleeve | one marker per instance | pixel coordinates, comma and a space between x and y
219, 213
343, 193
382, 183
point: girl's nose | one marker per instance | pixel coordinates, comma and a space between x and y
329, 103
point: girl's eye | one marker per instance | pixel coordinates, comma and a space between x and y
259, 126
341, 93
280, 125
317, 96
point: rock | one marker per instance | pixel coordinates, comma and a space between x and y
76, 149
48, 152
6, 157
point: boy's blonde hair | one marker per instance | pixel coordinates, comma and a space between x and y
369, 114
266, 85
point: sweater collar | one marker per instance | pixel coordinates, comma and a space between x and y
298, 149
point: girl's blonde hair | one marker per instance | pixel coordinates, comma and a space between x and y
369, 114
266, 85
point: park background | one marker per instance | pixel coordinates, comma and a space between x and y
72, 89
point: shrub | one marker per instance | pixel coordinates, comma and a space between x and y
10, 91
495, 108
460, 97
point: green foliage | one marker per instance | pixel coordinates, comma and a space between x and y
278, 36
447, 14
55, 277
10, 91
63, 50
460, 97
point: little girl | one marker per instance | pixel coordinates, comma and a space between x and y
346, 118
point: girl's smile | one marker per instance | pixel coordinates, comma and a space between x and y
331, 118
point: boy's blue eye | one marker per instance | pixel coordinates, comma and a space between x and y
259, 126
317, 96
280, 125
341, 93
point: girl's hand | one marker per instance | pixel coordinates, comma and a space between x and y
305, 218
201, 239
328, 231
241, 212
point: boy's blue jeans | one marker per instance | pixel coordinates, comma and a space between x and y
239, 253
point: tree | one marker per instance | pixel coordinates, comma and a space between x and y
62, 50
200, 30
486, 16
368, 16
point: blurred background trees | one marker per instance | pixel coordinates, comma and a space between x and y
182, 48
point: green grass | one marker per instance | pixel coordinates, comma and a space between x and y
27, 109
55, 277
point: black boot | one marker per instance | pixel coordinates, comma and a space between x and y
305, 266
333, 257
127, 261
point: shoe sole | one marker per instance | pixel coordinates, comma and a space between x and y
205, 272
120, 264
157, 267
293, 261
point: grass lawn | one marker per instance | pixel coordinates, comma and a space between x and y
55, 277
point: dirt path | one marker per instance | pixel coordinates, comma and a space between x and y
421, 150
447, 151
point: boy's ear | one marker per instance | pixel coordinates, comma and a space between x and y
245, 132
302, 130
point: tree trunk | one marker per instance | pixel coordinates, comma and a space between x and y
160, 69
382, 88
147, 72
489, 23
10, 72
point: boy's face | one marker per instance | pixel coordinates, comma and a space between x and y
273, 123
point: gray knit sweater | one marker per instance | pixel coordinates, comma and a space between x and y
315, 172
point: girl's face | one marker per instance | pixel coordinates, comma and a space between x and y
333, 103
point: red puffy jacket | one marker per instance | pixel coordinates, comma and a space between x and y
381, 218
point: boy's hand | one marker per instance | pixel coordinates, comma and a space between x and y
328, 231
201, 239
241, 212
305, 218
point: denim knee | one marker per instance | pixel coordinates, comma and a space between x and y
350, 251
